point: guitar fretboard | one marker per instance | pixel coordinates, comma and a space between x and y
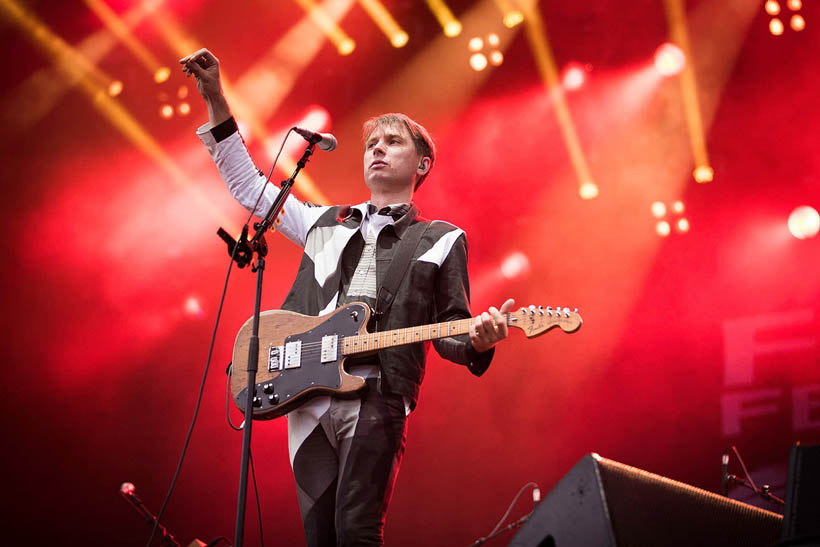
399, 337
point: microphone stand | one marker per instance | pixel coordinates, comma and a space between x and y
242, 252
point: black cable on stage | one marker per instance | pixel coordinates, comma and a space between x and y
210, 353
520, 521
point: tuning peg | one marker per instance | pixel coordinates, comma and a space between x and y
540, 310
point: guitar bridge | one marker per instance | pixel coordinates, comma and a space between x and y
275, 361
329, 353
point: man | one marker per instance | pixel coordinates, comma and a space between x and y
345, 453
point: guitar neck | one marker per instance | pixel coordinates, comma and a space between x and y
391, 338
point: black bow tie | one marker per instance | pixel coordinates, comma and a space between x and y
396, 211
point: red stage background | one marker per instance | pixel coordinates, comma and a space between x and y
691, 342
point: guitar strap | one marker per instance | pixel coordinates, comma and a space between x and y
398, 268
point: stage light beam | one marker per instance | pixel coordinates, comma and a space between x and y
776, 26
669, 59
376, 10
679, 34
772, 7
797, 22
344, 43
658, 209
449, 24
545, 61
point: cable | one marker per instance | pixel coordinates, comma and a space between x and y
228, 399
509, 509
210, 353
745, 471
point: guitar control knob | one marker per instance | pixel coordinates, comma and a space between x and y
273, 399
257, 401
268, 388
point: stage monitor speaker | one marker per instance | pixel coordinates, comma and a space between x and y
801, 517
603, 503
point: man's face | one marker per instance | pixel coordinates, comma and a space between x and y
390, 158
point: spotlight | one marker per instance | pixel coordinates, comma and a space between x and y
166, 111
794, 5
513, 18
399, 39
703, 173
493, 39
772, 7
658, 209
683, 225
776, 26
115, 88
804, 222
588, 190
184, 109
193, 307
182, 92
573, 76
663, 228
515, 265
678, 207
797, 22
452, 28
669, 59
478, 62
496, 58
346, 46
475, 44
162, 74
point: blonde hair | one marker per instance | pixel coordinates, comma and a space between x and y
425, 147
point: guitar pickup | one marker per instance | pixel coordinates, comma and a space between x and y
293, 354
329, 353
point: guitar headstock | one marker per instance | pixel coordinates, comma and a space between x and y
535, 321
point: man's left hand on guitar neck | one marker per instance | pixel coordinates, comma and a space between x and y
490, 327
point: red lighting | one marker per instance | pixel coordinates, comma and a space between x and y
804, 222
193, 307
669, 59
127, 488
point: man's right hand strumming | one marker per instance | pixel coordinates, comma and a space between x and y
205, 67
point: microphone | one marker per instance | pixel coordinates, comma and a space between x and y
325, 141
724, 475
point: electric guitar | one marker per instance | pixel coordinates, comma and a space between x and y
301, 356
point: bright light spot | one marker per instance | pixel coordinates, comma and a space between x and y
683, 225
772, 7
162, 74
478, 61
669, 59
193, 308
658, 209
496, 58
184, 109
475, 44
493, 39
703, 173
776, 26
573, 76
346, 46
513, 18
166, 111
804, 222
678, 207
399, 39
115, 88
797, 22
794, 5
663, 228
452, 28
515, 265
127, 488
316, 118
182, 92
588, 190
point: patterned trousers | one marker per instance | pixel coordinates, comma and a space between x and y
345, 455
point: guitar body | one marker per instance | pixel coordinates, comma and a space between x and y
300, 356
